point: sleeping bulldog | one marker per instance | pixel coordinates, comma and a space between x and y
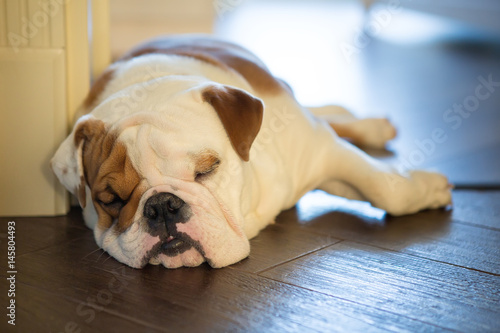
188, 146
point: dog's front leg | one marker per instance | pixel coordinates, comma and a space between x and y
354, 174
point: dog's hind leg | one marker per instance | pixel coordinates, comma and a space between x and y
352, 173
369, 132
342, 189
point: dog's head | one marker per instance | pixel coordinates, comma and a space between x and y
160, 181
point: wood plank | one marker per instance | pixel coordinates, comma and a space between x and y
38, 310
193, 299
430, 101
430, 234
479, 168
277, 244
35, 233
477, 207
444, 295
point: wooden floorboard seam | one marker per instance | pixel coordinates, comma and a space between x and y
470, 224
298, 257
423, 257
49, 246
359, 304
100, 309
485, 187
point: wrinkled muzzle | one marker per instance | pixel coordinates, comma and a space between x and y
179, 224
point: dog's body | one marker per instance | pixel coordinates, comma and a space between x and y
192, 147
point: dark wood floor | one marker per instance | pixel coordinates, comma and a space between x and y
328, 264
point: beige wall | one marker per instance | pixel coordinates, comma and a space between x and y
134, 21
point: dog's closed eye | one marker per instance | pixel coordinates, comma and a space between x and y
110, 202
206, 164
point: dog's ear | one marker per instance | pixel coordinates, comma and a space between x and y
240, 113
67, 162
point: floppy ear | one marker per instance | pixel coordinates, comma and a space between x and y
67, 162
240, 113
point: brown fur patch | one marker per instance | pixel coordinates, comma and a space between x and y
218, 53
82, 196
206, 162
97, 88
240, 113
109, 174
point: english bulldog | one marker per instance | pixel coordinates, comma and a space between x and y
188, 146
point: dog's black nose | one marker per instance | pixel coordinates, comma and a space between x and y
166, 208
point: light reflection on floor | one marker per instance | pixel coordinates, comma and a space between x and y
410, 27
304, 42
299, 41
317, 203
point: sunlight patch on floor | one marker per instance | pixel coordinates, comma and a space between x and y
300, 43
317, 203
